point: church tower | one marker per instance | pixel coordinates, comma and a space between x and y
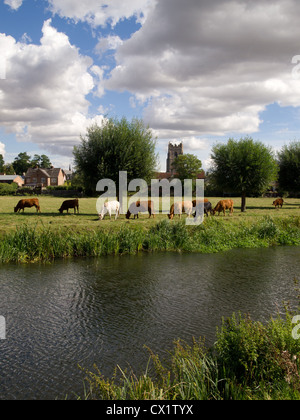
173, 152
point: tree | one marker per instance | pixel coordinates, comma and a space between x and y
35, 161
187, 166
22, 163
41, 161
45, 162
9, 169
289, 168
113, 147
2, 163
245, 167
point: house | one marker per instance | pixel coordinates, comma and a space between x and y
10, 179
38, 177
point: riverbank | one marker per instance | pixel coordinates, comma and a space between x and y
250, 361
44, 244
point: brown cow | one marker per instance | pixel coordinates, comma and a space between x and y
69, 204
181, 207
278, 202
28, 203
222, 206
142, 206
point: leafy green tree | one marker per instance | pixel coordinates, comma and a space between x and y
289, 168
246, 167
113, 147
42, 161
9, 169
45, 162
36, 161
2, 163
187, 166
22, 163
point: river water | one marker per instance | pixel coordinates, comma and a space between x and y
103, 311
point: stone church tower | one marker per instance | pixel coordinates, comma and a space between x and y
173, 152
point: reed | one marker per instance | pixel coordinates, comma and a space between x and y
41, 243
250, 361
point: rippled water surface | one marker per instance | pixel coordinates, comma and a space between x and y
104, 311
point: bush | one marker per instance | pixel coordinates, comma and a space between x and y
8, 189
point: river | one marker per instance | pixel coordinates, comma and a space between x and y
103, 311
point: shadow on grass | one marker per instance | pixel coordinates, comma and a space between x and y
46, 214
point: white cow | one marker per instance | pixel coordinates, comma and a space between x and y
110, 207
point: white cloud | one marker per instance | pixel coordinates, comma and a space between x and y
2, 149
102, 12
14, 4
211, 67
111, 42
193, 144
43, 99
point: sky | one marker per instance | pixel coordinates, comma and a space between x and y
197, 71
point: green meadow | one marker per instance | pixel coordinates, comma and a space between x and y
88, 218
32, 237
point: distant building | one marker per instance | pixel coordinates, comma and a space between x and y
38, 177
174, 151
69, 175
10, 179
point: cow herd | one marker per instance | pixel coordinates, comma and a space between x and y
34, 202
113, 207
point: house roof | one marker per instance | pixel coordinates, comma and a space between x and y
48, 173
163, 175
9, 177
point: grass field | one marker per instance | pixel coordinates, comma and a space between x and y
33, 237
88, 218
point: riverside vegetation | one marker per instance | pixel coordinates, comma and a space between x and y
249, 360
32, 237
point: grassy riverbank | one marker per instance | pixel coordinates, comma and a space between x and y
28, 244
33, 237
250, 361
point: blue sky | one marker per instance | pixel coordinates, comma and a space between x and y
196, 71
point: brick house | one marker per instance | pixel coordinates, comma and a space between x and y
38, 177
10, 179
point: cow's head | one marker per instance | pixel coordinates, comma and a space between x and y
15, 209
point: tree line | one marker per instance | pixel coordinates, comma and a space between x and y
23, 162
244, 167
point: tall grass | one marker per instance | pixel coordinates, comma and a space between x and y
249, 361
29, 244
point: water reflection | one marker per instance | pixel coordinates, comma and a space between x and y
104, 311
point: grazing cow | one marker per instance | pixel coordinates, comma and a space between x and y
222, 206
207, 209
69, 204
195, 202
278, 202
110, 207
207, 206
179, 208
142, 206
22, 204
